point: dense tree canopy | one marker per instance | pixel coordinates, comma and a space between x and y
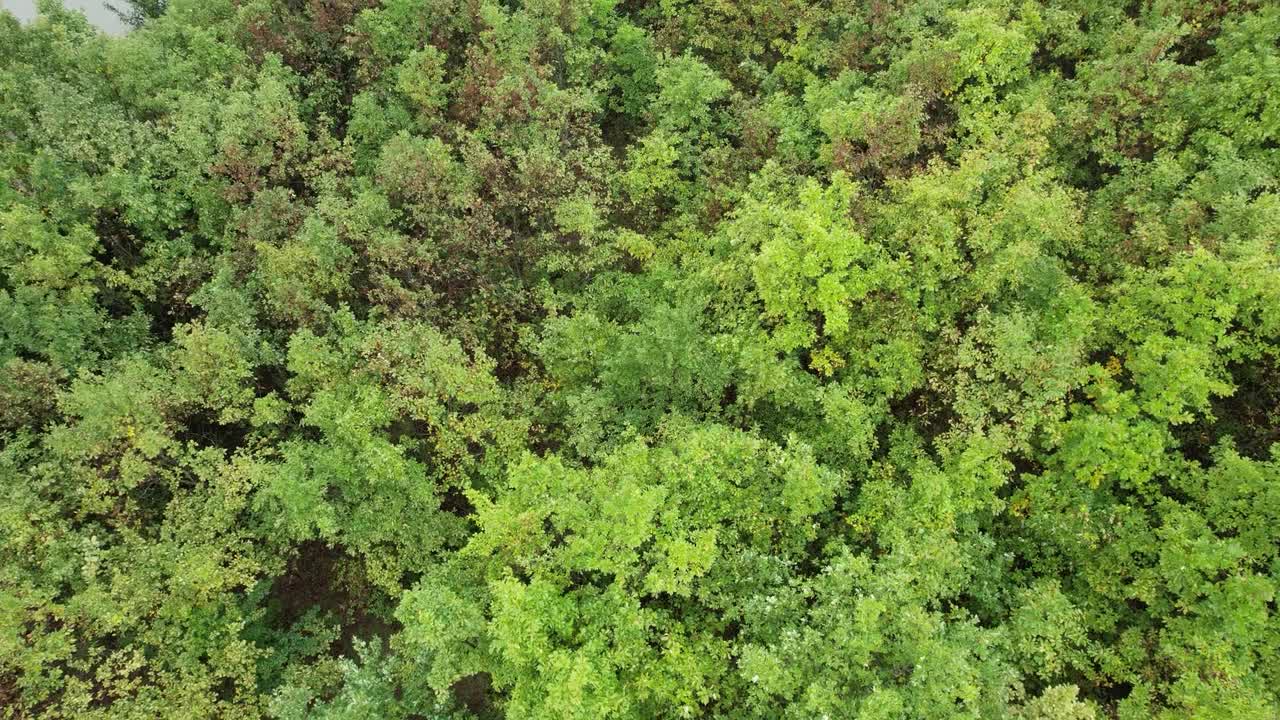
883, 359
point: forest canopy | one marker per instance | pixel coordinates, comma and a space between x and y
721, 359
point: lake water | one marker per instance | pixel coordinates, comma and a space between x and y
95, 10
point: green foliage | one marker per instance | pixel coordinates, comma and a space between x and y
590, 359
605, 591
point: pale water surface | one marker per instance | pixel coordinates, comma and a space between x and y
95, 10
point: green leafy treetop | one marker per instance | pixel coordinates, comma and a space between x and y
685, 359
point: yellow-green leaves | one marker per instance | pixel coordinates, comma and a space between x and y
687, 93
812, 266
586, 569
420, 78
